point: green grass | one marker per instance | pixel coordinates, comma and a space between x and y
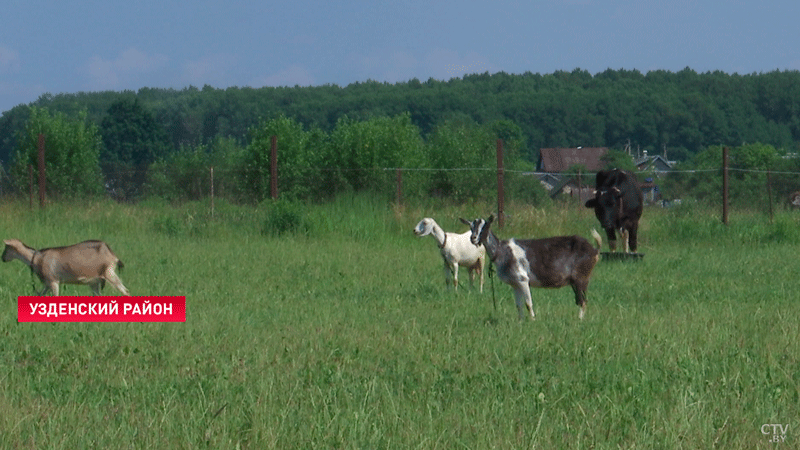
342, 335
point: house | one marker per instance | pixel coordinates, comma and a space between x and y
558, 160
574, 187
548, 180
554, 162
655, 165
651, 168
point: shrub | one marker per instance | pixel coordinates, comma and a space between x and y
283, 216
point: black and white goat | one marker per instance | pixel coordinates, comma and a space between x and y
456, 249
548, 263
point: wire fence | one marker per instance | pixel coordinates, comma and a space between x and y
760, 190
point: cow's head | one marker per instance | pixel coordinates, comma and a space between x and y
606, 204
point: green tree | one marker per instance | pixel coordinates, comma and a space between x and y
684, 112
12, 124
701, 177
186, 174
454, 147
297, 158
362, 149
615, 159
132, 140
72, 148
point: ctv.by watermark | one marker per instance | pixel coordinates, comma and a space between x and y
775, 431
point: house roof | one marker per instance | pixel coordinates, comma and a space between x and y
560, 159
570, 187
654, 162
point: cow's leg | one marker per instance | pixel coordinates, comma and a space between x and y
611, 234
624, 236
634, 234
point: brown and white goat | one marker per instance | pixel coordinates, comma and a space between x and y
547, 263
90, 262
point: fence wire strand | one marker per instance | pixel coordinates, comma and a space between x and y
232, 182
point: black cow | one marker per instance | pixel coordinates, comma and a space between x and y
618, 206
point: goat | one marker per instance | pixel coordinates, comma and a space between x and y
548, 263
90, 262
456, 249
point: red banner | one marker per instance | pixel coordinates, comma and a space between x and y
101, 309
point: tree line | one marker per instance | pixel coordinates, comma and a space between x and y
142, 141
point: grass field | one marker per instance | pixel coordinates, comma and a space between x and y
343, 335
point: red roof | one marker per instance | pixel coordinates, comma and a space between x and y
558, 160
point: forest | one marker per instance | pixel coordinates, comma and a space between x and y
150, 141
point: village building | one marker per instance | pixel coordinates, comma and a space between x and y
555, 164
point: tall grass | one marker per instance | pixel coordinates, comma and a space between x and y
341, 334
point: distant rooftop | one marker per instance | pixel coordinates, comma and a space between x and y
557, 160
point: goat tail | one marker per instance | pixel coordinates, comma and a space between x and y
597, 239
120, 265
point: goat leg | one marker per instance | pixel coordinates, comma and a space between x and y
522, 296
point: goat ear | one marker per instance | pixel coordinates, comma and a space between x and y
465, 221
490, 219
591, 203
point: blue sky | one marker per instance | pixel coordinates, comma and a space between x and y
69, 47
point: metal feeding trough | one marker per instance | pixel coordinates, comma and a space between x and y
621, 256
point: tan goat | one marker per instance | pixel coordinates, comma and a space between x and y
90, 262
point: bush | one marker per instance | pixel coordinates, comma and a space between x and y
282, 217
72, 147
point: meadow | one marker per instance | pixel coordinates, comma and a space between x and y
329, 326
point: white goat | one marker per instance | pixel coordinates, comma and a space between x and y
90, 262
456, 249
